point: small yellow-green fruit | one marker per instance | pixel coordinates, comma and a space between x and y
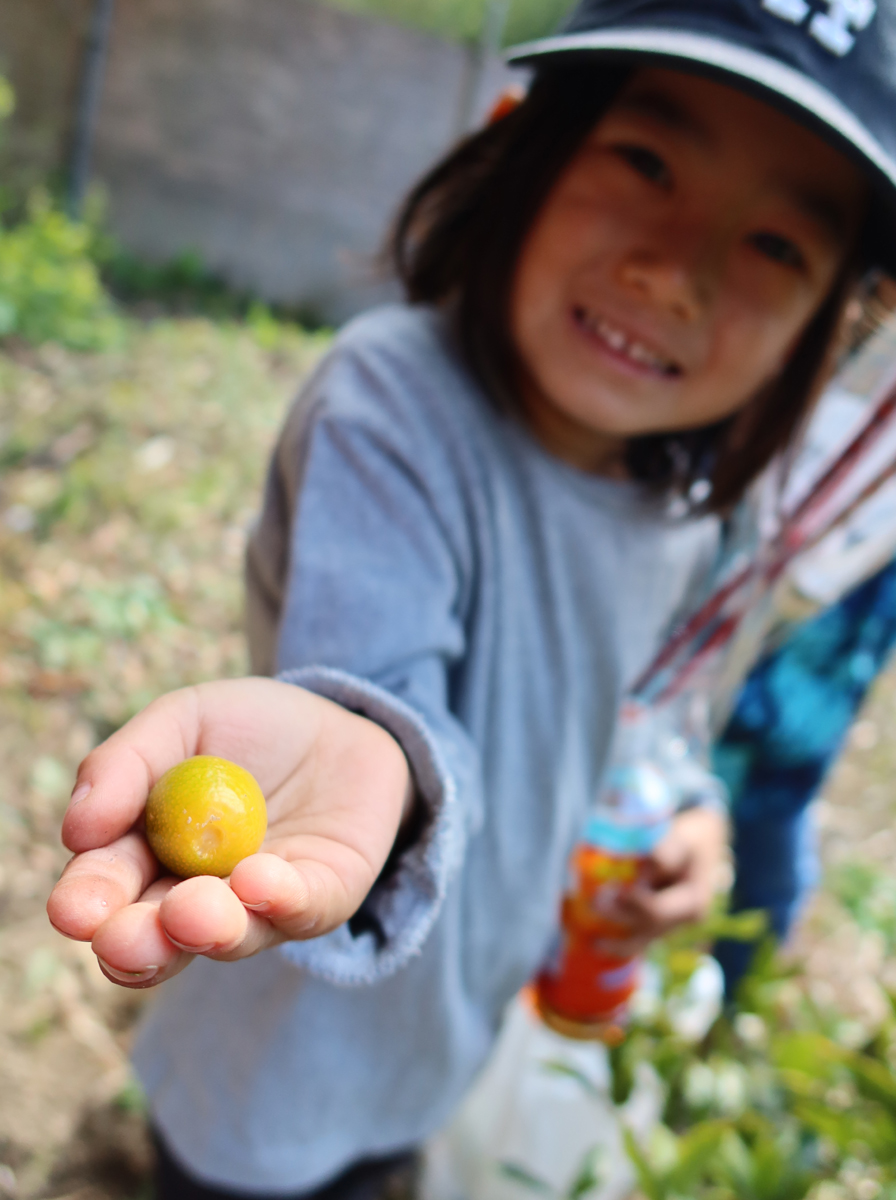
204, 816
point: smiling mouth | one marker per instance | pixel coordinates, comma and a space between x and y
624, 346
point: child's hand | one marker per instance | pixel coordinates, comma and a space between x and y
337, 789
680, 880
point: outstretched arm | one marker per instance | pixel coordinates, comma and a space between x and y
337, 787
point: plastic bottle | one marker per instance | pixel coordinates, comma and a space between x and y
583, 991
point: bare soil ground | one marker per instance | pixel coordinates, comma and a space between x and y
847, 964
127, 482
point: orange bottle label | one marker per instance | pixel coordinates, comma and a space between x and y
583, 986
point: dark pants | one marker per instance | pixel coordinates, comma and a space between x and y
390, 1178
776, 870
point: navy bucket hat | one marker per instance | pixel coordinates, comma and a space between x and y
829, 64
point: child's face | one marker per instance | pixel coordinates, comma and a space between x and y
675, 264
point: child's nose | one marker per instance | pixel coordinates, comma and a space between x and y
668, 281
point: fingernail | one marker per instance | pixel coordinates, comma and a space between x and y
71, 937
128, 976
191, 949
81, 790
262, 906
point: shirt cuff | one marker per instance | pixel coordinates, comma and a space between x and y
400, 910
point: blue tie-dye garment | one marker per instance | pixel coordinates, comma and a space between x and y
787, 728
797, 705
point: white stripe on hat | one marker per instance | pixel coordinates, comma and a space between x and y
737, 60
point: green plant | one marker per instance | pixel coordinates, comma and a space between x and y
181, 285
777, 1101
184, 285
585, 1178
463, 20
50, 289
7, 107
7, 99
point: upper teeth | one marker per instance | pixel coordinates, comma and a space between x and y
623, 344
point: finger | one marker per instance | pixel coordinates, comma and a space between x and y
266, 726
267, 901
114, 779
694, 847
671, 859
134, 951
205, 916
300, 899
98, 884
668, 865
656, 912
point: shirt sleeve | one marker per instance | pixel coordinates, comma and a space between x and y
373, 618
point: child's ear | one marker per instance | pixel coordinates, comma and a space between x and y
509, 100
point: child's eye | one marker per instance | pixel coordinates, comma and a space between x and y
645, 162
779, 249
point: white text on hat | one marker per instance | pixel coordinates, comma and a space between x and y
833, 29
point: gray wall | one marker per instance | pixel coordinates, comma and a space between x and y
274, 137
40, 47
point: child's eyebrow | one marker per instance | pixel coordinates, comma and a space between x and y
820, 207
665, 110
662, 108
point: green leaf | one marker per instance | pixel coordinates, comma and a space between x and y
747, 926
648, 1181
696, 1149
520, 1175
810, 1053
875, 1081
588, 1177
554, 1067
622, 1075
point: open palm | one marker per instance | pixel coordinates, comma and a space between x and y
336, 787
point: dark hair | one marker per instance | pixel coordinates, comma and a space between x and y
456, 242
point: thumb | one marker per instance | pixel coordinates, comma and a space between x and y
114, 779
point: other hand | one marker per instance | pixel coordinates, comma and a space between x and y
680, 878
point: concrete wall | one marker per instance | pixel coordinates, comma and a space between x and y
40, 49
274, 137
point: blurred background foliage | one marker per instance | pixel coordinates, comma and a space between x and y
50, 286
464, 20
787, 1096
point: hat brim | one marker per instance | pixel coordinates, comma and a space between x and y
798, 94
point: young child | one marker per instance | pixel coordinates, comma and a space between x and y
623, 293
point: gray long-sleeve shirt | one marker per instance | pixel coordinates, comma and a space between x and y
422, 560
